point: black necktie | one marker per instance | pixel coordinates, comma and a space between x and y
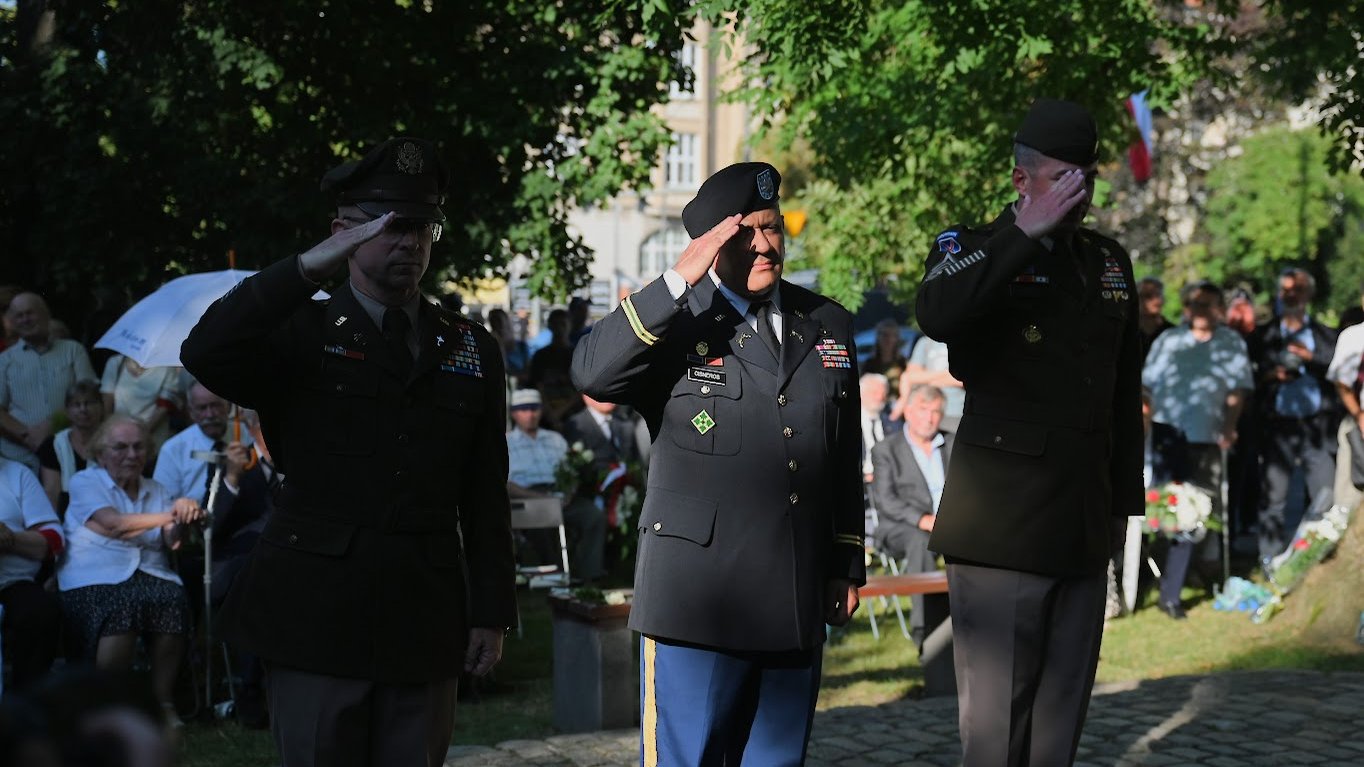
396, 325
762, 309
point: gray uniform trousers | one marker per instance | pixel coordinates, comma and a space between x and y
1026, 647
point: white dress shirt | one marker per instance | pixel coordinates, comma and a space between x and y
93, 559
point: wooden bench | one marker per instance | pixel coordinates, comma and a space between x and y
935, 654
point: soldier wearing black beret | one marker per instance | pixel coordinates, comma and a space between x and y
1040, 317
751, 532
386, 415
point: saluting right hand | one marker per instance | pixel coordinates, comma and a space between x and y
327, 256
700, 255
1038, 216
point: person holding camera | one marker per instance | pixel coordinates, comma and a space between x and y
1299, 406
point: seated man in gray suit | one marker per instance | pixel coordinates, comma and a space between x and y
908, 474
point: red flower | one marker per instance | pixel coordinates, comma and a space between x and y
1170, 499
1153, 522
1152, 496
1300, 544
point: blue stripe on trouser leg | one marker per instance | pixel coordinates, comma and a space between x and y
703, 706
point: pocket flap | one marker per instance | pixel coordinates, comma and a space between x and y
673, 515
311, 534
999, 434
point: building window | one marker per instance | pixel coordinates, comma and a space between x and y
687, 57
660, 251
680, 162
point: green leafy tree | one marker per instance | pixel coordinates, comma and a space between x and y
146, 139
1278, 204
909, 108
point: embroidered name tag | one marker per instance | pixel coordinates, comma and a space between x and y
706, 375
342, 351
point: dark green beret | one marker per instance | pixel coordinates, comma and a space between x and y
403, 174
741, 188
1063, 130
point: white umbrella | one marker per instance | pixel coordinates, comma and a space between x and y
151, 332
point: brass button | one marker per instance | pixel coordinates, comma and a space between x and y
795, 499
293, 539
788, 431
781, 400
791, 465
843, 394
705, 390
998, 439
658, 526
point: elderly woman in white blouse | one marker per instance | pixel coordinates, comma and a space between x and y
116, 579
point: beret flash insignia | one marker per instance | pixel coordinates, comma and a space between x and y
409, 159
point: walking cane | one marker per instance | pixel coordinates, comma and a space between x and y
1226, 522
214, 461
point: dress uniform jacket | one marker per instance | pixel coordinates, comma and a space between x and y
1050, 443
360, 569
754, 498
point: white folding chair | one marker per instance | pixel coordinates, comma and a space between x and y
542, 514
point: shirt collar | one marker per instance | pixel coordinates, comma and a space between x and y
938, 439
24, 344
108, 480
741, 304
376, 310
602, 419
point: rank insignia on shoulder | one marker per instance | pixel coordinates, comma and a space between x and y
703, 422
1031, 334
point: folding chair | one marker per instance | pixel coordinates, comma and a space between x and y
540, 514
889, 564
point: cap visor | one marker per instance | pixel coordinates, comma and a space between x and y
415, 210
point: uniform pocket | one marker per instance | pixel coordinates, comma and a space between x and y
668, 514
998, 434
704, 417
314, 535
349, 424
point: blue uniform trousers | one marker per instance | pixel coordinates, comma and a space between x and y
707, 706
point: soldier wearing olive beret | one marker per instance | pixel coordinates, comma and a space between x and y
751, 532
386, 415
1039, 316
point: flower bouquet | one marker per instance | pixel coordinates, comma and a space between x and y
621, 494
570, 471
1180, 511
1314, 542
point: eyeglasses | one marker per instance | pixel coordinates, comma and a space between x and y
403, 227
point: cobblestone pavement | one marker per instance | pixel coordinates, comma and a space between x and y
1233, 719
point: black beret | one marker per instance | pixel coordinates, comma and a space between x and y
741, 188
404, 175
1060, 129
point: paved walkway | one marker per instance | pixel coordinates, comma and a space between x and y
1234, 719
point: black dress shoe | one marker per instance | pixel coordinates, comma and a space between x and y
1174, 610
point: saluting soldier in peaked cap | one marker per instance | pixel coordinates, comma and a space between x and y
751, 532
386, 415
1040, 318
